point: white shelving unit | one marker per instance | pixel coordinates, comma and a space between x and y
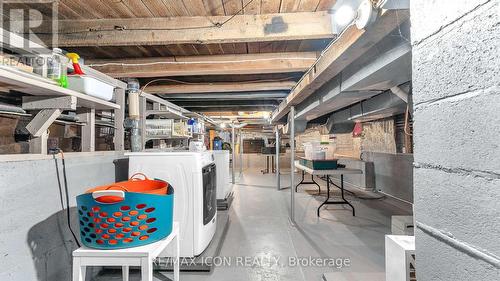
164, 109
50, 100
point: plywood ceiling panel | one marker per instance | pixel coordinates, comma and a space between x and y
69, 9
307, 5
253, 8
325, 5
232, 7
288, 6
195, 7
138, 8
270, 6
157, 8
176, 8
214, 7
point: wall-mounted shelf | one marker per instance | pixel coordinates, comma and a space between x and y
161, 109
163, 137
49, 100
167, 113
31, 84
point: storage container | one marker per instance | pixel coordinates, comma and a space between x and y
314, 151
90, 86
112, 217
159, 127
319, 164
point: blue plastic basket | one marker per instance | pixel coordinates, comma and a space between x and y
137, 220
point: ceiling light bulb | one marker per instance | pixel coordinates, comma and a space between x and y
365, 15
223, 125
344, 15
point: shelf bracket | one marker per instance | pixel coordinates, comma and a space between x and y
42, 120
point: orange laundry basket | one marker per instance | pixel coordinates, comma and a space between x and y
126, 214
134, 184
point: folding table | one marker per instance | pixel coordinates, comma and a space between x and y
328, 173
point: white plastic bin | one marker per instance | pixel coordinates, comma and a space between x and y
90, 86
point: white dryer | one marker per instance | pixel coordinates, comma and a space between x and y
224, 186
193, 177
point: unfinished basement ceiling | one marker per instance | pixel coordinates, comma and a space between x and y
205, 48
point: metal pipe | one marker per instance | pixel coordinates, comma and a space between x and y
134, 105
232, 154
292, 164
277, 161
241, 152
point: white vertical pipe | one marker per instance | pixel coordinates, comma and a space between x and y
232, 154
292, 164
277, 160
241, 152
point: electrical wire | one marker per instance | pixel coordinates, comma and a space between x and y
123, 28
65, 179
190, 62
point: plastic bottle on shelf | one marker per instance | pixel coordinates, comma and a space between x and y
57, 68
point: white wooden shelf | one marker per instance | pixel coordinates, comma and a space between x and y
168, 114
165, 137
33, 85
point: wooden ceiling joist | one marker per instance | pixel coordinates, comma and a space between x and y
193, 30
351, 45
220, 87
206, 65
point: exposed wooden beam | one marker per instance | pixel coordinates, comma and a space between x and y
350, 46
193, 30
220, 87
206, 65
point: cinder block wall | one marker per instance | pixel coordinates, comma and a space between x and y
456, 90
35, 243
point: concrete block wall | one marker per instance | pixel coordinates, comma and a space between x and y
35, 243
456, 91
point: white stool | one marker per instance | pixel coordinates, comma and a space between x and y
142, 256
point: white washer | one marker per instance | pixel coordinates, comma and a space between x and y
224, 187
193, 177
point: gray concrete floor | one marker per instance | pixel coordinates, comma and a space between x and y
259, 227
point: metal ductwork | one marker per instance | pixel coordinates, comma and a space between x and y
300, 126
340, 122
381, 106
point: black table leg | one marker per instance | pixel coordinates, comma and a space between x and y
342, 192
327, 193
308, 182
343, 202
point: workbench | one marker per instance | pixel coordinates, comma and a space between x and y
328, 173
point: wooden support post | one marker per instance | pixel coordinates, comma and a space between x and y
87, 115
119, 117
38, 145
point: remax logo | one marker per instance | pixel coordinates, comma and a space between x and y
29, 25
